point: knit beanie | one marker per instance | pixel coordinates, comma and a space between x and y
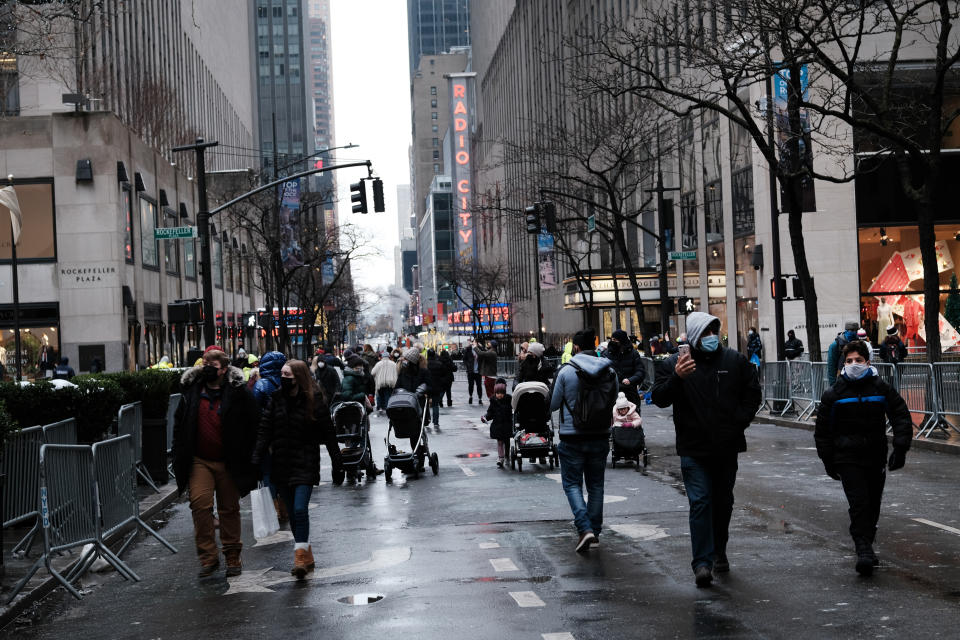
535, 348
622, 402
412, 355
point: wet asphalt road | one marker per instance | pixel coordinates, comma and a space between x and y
483, 553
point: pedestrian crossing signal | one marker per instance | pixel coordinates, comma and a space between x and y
685, 305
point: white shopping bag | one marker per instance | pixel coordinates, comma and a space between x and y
264, 515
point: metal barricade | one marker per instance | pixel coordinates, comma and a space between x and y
776, 386
946, 377
818, 384
63, 432
887, 373
69, 514
115, 473
649, 373
507, 367
175, 399
801, 387
916, 386
130, 422
21, 464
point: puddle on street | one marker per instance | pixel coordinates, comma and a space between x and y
361, 598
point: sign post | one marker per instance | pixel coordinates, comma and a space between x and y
174, 233
682, 255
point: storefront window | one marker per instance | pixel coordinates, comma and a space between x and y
37, 234
128, 225
688, 185
713, 194
891, 282
148, 222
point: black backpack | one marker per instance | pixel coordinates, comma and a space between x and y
596, 396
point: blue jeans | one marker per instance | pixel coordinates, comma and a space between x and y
584, 462
435, 402
297, 500
383, 396
709, 484
266, 468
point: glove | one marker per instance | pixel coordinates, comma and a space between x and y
897, 459
483, 419
831, 471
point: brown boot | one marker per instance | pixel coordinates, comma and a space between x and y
234, 564
300, 559
281, 511
310, 563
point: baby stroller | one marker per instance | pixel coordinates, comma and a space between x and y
407, 420
353, 426
533, 426
630, 444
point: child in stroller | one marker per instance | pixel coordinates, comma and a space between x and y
533, 432
627, 440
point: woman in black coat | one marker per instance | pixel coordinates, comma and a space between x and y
438, 384
412, 376
294, 425
451, 368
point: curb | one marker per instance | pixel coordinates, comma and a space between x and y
923, 444
149, 507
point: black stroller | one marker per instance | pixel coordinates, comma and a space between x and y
353, 430
533, 426
630, 444
407, 420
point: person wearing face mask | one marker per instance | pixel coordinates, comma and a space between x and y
627, 363
214, 433
715, 393
851, 438
293, 426
754, 347
848, 335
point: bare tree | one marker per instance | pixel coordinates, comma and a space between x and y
479, 286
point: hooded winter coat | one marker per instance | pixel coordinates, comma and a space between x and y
294, 438
500, 416
631, 419
411, 377
627, 362
270, 365
357, 385
238, 415
566, 388
385, 374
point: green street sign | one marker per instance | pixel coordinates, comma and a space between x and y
682, 255
174, 233
591, 224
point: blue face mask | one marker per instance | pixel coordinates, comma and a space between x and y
709, 343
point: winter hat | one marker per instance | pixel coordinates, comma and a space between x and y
622, 402
536, 349
347, 353
213, 347
585, 339
241, 353
500, 387
412, 355
850, 326
861, 334
892, 331
697, 323
621, 336
354, 361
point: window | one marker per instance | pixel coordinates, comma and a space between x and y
433, 115
433, 91
435, 128
436, 142
171, 248
128, 225
436, 168
148, 222
190, 259
436, 155
433, 103
37, 237
217, 263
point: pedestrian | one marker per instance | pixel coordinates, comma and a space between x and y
451, 368
384, 379
500, 416
438, 385
551, 351
627, 363
412, 376
892, 350
754, 347
370, 357
292, 427
567, 352
523, 352
326, 374
625, 413
487, 366
834, 364
64, 371
715, 393
240, 360
852, 443
793, 347
357, 383
214, 433
534, 368
862, 337
584, 392
471, 363
266, 385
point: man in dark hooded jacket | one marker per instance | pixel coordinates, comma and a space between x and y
628, 364
715, 394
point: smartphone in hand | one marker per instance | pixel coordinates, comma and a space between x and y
684, 349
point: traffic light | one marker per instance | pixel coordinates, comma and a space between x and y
358, 196
549, 216
378, 205
533, 219
797, 288
778, 288
684, 305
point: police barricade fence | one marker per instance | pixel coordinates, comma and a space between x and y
916, 385
819, 381
175, 399
63, 432
887, 373
507, 367
801, 387
130, 422
649, 373
946, 377
69, 514
775, 380
21, 465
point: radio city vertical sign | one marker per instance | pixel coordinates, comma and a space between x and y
461, 113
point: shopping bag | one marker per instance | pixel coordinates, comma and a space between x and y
264, 515
755, 360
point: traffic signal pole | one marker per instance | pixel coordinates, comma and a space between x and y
665, 301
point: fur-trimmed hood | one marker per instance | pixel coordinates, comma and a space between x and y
194, 374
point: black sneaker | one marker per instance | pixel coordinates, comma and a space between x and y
586, 539
703, 576
470, 400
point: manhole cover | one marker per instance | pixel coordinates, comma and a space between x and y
361, 598
475, 454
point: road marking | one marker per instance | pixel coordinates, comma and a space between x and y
467, 471
503, 564
278, 537
557, 636
527, 599
489, 545
937, 525
552, 476
611, 499
640, 531
260, 580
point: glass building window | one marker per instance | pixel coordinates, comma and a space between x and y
433, 115
433, 91
190, 259
171, 249
148, 245
37, 236
125, 202
217, 263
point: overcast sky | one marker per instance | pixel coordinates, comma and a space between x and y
371, 82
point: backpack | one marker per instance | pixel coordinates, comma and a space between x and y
596, 396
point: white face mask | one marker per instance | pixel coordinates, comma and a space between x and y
855, 371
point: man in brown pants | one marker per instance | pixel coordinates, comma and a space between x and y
213, 438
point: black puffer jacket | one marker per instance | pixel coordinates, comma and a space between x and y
628, 364
500, 416
714, 405
238, 414
294, 438
852, 426
413, 379
438, 376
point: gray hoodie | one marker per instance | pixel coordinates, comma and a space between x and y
565, 390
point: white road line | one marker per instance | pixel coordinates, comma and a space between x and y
557, 636
937, 525
467, 471
527, 599
489, 545
553, 476
503, 564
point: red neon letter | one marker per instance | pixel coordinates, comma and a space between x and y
459, 124
463, 157
459, 91
463, 186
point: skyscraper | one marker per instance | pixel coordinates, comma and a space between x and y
435, 26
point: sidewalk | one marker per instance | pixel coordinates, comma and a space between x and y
43, 583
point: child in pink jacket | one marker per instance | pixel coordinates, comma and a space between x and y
625, 413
